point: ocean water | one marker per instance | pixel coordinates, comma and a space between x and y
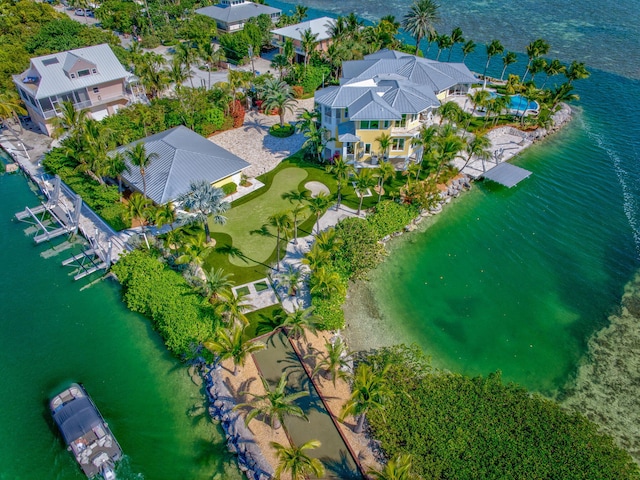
520, 279
53, 332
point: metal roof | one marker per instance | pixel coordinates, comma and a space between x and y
347, 132
506, 174
183, 157
319, 26
236, 13
54, 81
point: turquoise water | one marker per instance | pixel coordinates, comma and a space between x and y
53, 332
518, 279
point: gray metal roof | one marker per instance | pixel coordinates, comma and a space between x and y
183, 157
319, 26
506, 174
347, 132
50, 69
236, 13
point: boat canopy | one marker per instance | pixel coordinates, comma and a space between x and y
76, 418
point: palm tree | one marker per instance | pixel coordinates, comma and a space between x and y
448, 111
138, 157
456, 37
363, 181
204, 200
233, 307
282, 223
179, 73
229, 343
537, 66
336, 362
296, 462
341, 171
370, 392
194, 251
10, 106
165, 215
317, 206
478, 98
384, 143
300, 13
187, 55
275, 404
216, 281
554, 67
69, 120
386, 170
298, 197
577, 71
328, 240
398, 468
493, 49
509, 58
291, 279
138, 208
535, 49
316, 257
326, 283
561, 94
296, 323
116, 167
425, 140
479, 147
420, 20
467, 48
280, 62
444, 42
277, 95
308, 42
211, 56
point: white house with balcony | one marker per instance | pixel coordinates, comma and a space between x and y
91, 77
319, 27
231, 15
388, 93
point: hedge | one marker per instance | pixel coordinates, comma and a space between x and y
282, 131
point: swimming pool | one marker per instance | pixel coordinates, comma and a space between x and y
519, 105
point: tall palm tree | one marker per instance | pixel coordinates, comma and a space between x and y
230, 343
326, 283
446, 149
187, 55
554, 67
478, 98
280, 63
69, 119
335, 363
478, 146
10, 107
341, 171
537, 66
384, 143
363, 181
211, 56
456, 37
233, 307
116, 167
291, 279
494, 48
420, 20
561, 94
274, 405
277, 95
296, 462
317, 206
467, 48
369, 392
444, 42
425, 141
509, 58
577, 71
297, 198
535, 49
328, 240
386, 170
308, 42
204, 200
300, 13
297, 323
138, 157
179, 73
398, 468
281, 221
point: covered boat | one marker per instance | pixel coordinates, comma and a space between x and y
85, 432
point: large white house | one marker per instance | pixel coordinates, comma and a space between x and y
231, 15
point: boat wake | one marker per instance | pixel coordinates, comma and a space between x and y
625, 177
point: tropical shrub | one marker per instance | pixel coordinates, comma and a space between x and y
329, 310
360, 250
229, 188
464, 427
298, 91
176, 311
237, 113
282, 132
389, 217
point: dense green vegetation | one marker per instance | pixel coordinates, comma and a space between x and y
181, 316
462, 427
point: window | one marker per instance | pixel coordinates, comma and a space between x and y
327, 112
73, 75
370, 124
386, 123
83, 73
346, 113
402, 123
93, 70
96, 90
367, 148
397, 144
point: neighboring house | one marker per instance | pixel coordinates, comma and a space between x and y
388, 92
318, 26
183, 157
91, 77
231, 15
